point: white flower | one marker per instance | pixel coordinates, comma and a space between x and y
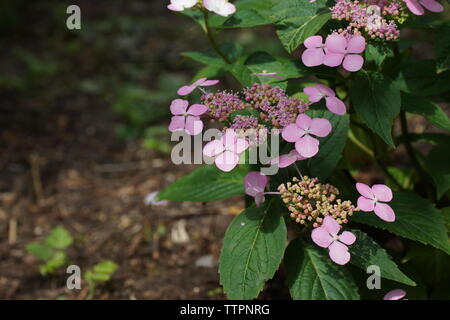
221, 7
180, 5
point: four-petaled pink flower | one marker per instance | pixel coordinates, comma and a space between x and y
326, 236
186, 119
314, 54
370, 200
286, 160
417, 6
339, 51
226, 150
180, 5
300, 132
396, 294
221, 7
254, 184
333, 103
203, 82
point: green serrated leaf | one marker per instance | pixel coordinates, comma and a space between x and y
437, 163
250, 13
331, 147
57, 260
59, 238
366, 252
416, 219
432, 112
311, 274
101, 272
377, 101
206, 183
252, 250
297, 20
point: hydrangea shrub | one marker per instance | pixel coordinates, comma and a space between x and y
338, 104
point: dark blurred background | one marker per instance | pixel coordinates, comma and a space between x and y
84, 140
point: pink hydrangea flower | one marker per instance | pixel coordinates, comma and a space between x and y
370, 200
395, 294
326, 236
254, 184
286, 160
333, 103
221, 7
417, 6
180, 5
226, 150
203, 82
301, 133
314, 54
186, 119
346, 52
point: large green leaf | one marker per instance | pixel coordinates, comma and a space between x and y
366, 252
377, 101
331, 147
432, 112
443, 48
420, 77
311, 274
206, 183
438, 161
252, 250
416, 219
297, 20
250, 13
59, 238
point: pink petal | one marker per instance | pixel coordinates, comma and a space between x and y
303, 121
395, 294
365, 190
197, 109
382, 192
314, 94
229, 139
184, 91
174, 8
226, 10
287, 159
432, 5
347, 238
307, 146
213, 148
353, 62
339, 253
331, 225
199, 82
178, 107
335, 105
227, 161
356, 44
333, 59
209, 83
325, 90
255, 183
384, 212
313, 57
193, 125
259, 199
336, 43
365, 204
313, 42
415, 7
177, 123
240, 146
291, 133
321, 237
320, 127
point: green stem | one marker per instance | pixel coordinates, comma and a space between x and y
211, 39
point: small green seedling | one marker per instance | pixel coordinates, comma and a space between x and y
52, 251
100, 273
